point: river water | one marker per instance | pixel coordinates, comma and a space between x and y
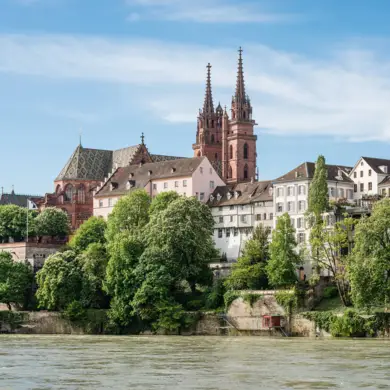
94, 362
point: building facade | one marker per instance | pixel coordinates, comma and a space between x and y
85, 170
188, 177
228, 142
237, 210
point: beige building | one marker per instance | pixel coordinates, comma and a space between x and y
188, 177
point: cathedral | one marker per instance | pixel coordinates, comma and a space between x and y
229, 143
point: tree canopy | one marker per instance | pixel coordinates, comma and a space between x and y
318, 191
130, 214
91, 231
369, 263
15, 280
284, 260
249, 271
52, 222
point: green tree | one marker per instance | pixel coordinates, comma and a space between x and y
184, 229
130, 214
162, 201
60, 281
120, 282
284, 260
249, 271
15, 280
93, 263
369, 263
90, 232
330, 246
318, 191
52, 222
13, 223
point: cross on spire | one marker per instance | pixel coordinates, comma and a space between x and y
142, 138
208, 106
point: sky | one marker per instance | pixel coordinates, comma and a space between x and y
317, 73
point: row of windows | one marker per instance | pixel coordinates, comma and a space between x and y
362, 173
355, 187
72, 193
291, 206
244, 218
264, 216
291, 190
340, 192
177, 185
301, 237
110, 202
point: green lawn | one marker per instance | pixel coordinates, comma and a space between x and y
330, 304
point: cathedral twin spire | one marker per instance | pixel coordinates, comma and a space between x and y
240, 103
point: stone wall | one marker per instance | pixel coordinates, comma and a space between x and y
300, 326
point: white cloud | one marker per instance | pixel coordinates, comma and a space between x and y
206, 11
346, 96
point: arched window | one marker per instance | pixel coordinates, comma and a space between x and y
230, 173
246, 172
231, 152
199, 153
246, 151
68, 193
81, 194
212, 138
58, 189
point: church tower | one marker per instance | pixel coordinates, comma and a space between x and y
239, 140
209, 129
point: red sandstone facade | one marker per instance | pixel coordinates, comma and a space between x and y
229, 143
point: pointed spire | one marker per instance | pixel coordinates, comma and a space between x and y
240, 86
208, 106
142, 139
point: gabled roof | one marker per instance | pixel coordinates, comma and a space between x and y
87, 164
306, 170
140, 175
375, 163
17, 199
385, 181
96, 164
258, 191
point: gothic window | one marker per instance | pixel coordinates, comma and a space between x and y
246, 151
81, 194
246, 172
230, 175
212, 138
231, 152
58, 189
68, 193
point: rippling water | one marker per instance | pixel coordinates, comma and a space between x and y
93, 362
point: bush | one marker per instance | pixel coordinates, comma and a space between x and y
229, 297
215, 295
287, 299
75, 311
251, 299
330, 292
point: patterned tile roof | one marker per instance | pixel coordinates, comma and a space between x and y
96, 164
87, 164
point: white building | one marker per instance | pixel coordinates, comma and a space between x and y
237, 209
369, 176
291, 195
188, 177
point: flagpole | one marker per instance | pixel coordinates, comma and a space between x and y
27, 221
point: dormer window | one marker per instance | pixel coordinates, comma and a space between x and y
113, 186
229, 195
211, 198
383, 168
131, 175
173, 170
130, 184
219, 197
150, 173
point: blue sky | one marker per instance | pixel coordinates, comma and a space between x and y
318, 74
